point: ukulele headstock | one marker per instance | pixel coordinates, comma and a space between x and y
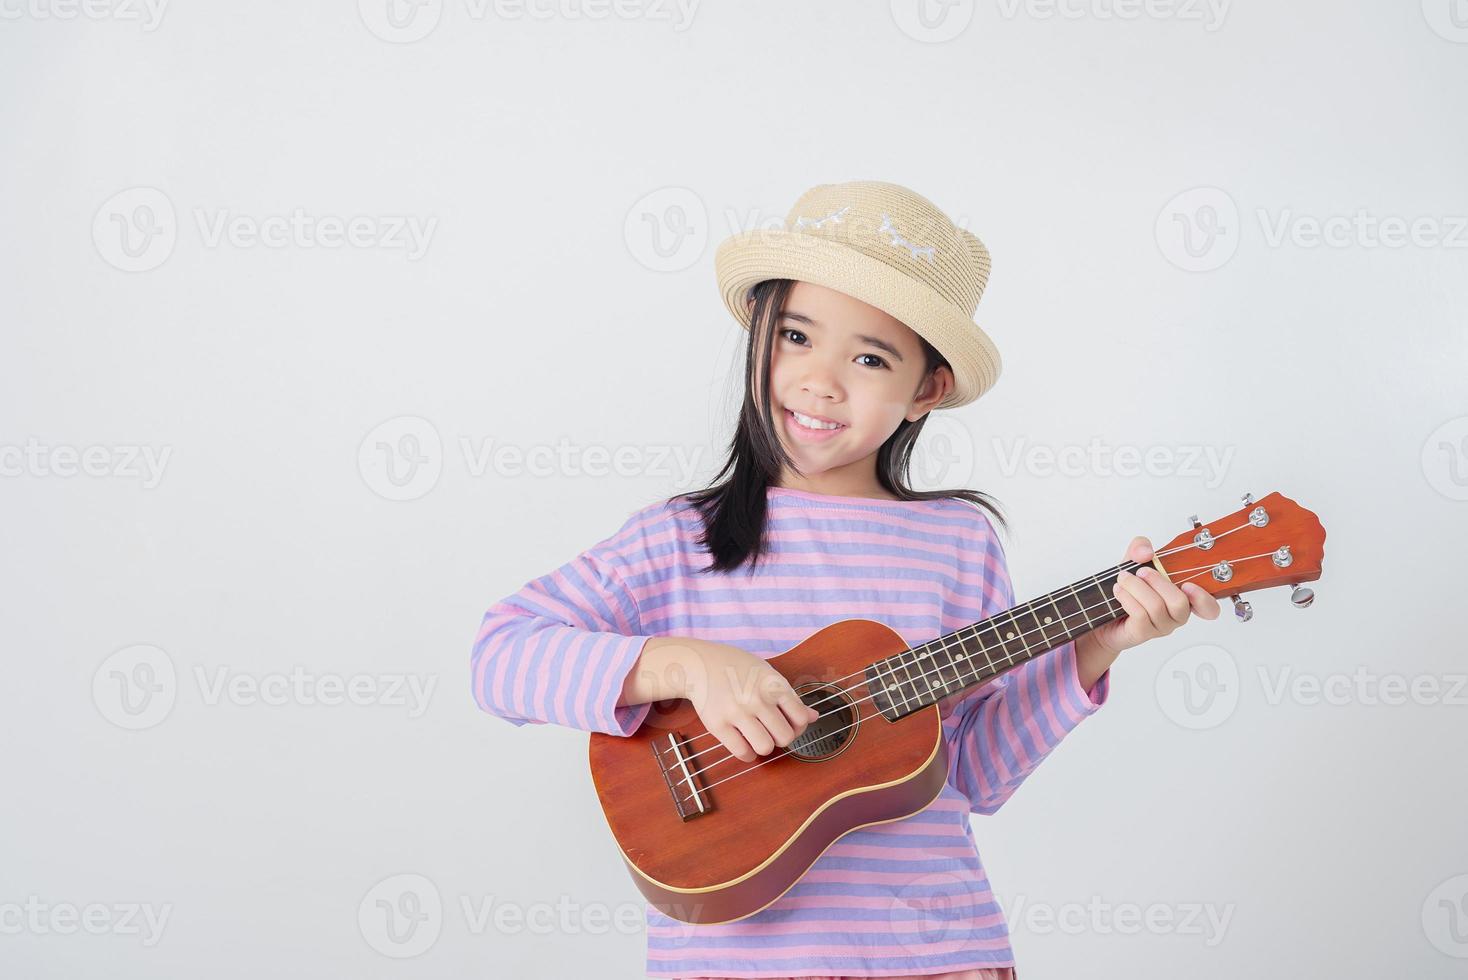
1264, 544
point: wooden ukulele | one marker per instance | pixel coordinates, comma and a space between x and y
711, 839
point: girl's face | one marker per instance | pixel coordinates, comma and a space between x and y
838, 360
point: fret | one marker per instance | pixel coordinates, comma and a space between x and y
978, 673
1040, 625
957, 659
962, 666
902, 685
1036, 631
931, 671
1069, 607
967, 657
1015, 633
928, 684
924, 662
912, 684
1087, 593
896, 684
883, 687
992, 642
990, 667
1065, 628
1105, 591
1081, 604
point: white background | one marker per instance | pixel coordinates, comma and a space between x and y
1146, 179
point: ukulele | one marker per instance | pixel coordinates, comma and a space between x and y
710, 839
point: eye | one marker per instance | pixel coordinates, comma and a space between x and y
880, 362
790, 330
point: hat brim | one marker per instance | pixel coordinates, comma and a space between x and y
751, 257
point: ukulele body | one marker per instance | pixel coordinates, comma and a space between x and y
740, 843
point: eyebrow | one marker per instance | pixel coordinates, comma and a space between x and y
876, 342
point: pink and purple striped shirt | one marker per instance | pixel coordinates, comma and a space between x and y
909, 897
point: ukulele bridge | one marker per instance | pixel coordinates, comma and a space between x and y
681, 776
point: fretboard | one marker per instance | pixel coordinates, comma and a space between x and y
926, 674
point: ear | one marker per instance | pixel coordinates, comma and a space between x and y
934, 389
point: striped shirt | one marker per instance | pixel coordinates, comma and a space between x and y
906, 897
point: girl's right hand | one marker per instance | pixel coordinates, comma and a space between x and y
743, 701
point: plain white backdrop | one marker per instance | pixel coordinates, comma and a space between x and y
324, 326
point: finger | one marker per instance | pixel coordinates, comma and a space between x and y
799, 713
1150, 593
1129, 604
1154, 613
1134, 628
1205, 603
734, 742
1178, 607
1139, 550
755, 734
777, 725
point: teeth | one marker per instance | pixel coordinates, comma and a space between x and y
811, 423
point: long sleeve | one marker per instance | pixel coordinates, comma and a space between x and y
558, 650
1015, 721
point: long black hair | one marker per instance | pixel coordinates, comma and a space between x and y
733, 510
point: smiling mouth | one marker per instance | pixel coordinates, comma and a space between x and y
812, 424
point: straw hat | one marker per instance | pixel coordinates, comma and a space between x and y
886, 246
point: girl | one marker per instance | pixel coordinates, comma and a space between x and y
860, 318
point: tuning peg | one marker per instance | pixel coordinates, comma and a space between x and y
1302, 597
1194, 518
1248, 499
1242, 609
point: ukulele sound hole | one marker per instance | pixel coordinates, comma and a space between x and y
832, 731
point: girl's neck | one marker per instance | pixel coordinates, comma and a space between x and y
834, 485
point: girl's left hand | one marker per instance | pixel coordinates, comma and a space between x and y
1154, 606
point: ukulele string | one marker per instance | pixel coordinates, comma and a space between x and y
860, 718
837, 694
851, 690
1093, 580
773, 758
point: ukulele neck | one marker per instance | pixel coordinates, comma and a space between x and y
967, 657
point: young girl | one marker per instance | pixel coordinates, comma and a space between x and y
860, 318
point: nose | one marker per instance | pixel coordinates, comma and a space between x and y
821, 380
